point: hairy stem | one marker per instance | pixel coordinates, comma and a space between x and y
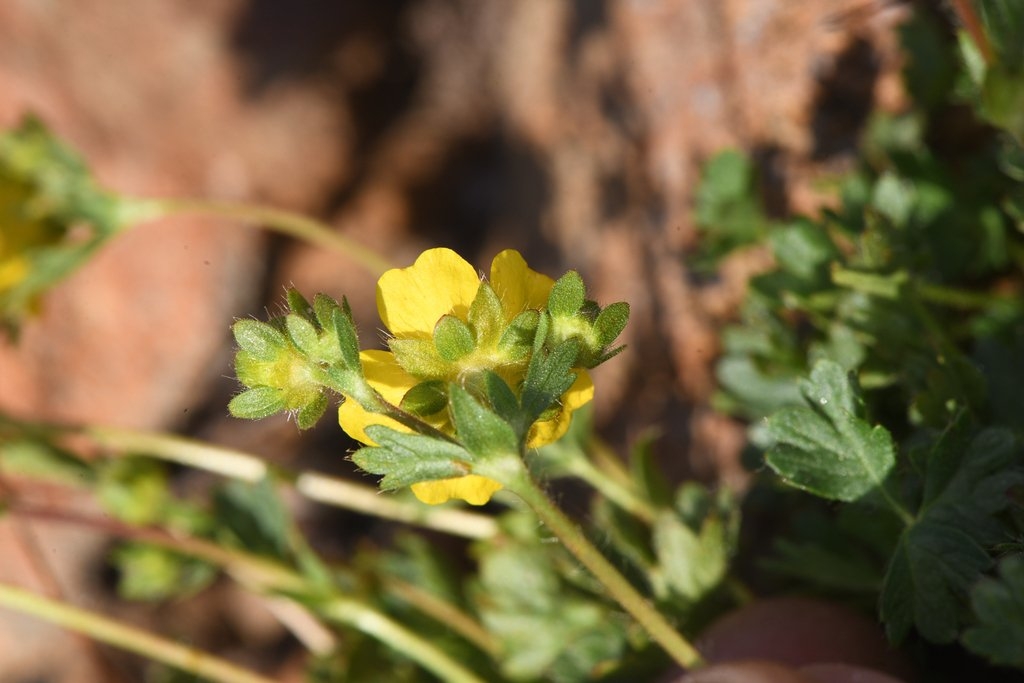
196, 662
288, 223
318, 487
659, 629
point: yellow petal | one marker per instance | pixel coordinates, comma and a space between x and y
518, 287
579, 394
411, 300
385, 375
472, 488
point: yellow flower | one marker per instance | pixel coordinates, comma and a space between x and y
411, 301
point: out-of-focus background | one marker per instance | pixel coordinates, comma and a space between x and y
572, 131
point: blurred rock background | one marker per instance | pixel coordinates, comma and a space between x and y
573, 131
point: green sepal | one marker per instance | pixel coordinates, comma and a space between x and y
486, 316
260, 340
299, 305
406, 459
257, 403
567, 295
303, 335
308, 415
426, 398
483, 432
452, 338
419, 357
344, 328
826, 448
610, 322
518, 338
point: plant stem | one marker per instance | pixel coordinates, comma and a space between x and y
318, 487
660, 630
288, 223
366, 620
612, 489
445, 613
196, 662
266, 575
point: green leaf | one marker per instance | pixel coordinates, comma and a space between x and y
254, 518
926, 583
259, 339
482, 431
503, 400
943, 553
134, 489
728, 209
567, 295
406, 459
826, 448
256, 404
999, 607
547, 630
151, 573
452, 338
804, 249
692, 562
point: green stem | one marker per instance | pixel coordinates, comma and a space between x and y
660, 630
288, 223
611, 488
196, 662
266, 575
366, 620
960, 298
318, 487
445, 613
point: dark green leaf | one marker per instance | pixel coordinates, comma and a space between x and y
482, 431
503, 400
548, 377
999, 607
926, 584
942, 554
